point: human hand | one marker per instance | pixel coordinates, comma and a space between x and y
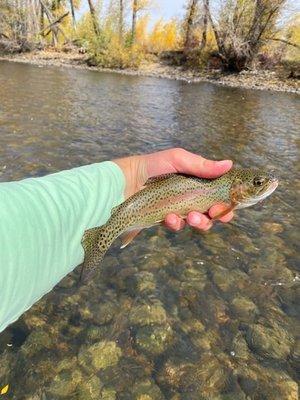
138, 169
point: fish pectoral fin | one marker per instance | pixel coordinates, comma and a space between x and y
230, 208
128, 237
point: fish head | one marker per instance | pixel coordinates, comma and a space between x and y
250, 186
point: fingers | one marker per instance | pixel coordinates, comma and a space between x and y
174, 222
218, 209
194, 219
199, 221
180, 160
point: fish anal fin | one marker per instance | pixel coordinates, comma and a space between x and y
128, 237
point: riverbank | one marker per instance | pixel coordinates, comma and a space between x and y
254, 79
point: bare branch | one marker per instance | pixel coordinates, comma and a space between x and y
57, 21
285, 41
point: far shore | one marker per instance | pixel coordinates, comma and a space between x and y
254, 79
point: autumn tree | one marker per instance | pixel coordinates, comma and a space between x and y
94, 17
137, 7
192, 9
164, 36
241, 28
121, 20
205, 14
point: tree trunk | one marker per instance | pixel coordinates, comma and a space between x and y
42, 25
205, 24
121, 20
189, 25
94, 18
134, 17
73, 12
54, 29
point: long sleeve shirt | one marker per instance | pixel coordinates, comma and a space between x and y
42, 221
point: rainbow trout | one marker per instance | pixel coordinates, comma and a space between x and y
173, 193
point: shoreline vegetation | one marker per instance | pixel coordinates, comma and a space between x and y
256, 79
240, 43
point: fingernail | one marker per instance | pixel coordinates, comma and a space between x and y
225, 163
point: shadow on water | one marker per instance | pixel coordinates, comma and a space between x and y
179, 317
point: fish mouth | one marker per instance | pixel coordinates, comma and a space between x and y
269, 191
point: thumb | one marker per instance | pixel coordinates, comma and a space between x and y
182, 161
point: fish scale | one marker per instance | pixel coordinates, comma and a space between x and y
173, 193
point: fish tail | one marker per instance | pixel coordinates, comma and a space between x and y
96, 242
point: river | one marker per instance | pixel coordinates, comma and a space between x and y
173, 316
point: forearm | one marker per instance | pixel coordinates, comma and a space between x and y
42, 221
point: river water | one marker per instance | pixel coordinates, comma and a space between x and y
174, 316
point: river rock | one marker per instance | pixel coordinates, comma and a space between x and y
104, 313
99, 355
108, 394
269, 342
146, 390
64, 384
206, 378
89, 389
37, 340
147, 314
259, 382
244, 308
154, 339
240, 348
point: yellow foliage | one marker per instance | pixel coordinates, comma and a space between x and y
142, 30
4, 390
85, 31
164, 36
293, 34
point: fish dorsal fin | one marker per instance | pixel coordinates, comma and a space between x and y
158, 178
128, 237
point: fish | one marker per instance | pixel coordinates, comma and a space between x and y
173, 193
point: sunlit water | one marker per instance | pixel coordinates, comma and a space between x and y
180, 317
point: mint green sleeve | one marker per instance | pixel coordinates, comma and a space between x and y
42, 221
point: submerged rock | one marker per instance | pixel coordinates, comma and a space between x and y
108, 394
154, 340
148, 314
259, 382
99, 355
244, 308
89, 389
146, 390
207, 378
64, 384
269, 342
38, 340
104, 313
240, 348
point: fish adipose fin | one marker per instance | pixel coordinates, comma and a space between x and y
128, 237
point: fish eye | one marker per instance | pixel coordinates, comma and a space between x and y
258, 181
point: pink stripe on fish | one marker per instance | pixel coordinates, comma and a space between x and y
182, 198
